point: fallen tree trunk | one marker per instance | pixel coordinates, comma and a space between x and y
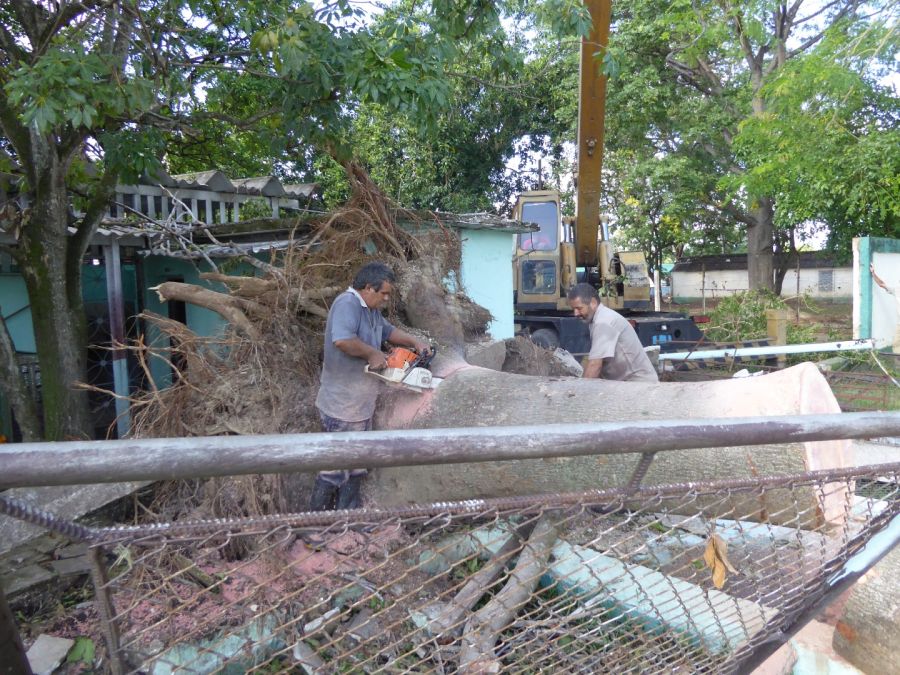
471, 396
869, 627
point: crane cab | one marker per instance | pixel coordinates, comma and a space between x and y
544, 260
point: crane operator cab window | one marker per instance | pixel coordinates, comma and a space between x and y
546, 216
539, 275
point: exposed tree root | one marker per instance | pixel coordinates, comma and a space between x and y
231, 308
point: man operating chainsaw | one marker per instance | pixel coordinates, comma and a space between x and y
346, 402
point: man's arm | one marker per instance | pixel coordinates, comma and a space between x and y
404, 339
592, 368
359, 349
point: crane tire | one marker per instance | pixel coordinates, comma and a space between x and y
545, 337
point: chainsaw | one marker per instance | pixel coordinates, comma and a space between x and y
408, 369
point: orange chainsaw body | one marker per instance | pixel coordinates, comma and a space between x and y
400, 357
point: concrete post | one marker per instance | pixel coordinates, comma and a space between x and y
656, 299
115, 303
776, 329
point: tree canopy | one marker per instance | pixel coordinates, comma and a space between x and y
770, 116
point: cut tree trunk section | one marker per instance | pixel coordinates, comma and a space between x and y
471, 396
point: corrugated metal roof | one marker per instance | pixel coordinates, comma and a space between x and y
475, 221
300, 189
214, 180
265, 186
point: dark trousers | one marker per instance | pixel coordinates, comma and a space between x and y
339, 489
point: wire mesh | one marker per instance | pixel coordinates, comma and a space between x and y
680, 578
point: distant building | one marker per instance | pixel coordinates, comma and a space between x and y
715, 276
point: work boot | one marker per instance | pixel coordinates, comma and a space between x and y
348, 495
324, 496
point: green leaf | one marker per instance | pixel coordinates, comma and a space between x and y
82, 652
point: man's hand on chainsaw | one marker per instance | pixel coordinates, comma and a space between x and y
422, 348
377, 360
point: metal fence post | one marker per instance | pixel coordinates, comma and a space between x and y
13, 660
106, 610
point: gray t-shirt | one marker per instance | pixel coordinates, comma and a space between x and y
614, 340
346, 392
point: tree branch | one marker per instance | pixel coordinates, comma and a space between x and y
747, 49
32, 17
17, 134
93, 213
67, 11
822, 9
448, 617
844, 11
484, 627
738, 214
229, 307
11, 47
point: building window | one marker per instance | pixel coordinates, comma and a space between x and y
826, 281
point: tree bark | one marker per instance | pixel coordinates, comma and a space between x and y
868, 631
760, 243
786, 256
471, 396
54, 290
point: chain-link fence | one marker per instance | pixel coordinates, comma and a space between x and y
681, 578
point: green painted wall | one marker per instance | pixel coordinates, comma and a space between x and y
17, 312
487, 276
205, 323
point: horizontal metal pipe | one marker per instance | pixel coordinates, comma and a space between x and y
77, 462
867, 344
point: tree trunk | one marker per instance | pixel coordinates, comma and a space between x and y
52, 274
471, 396
760, 243
868, 631
786, 256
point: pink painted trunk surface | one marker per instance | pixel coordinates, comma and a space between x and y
472, 396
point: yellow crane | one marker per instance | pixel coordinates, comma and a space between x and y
565, 250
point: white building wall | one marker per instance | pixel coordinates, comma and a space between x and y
835, 284
717, 283
823, 284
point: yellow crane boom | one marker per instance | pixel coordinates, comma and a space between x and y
591, 114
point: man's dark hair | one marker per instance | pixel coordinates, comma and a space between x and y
373, 274
584, 292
